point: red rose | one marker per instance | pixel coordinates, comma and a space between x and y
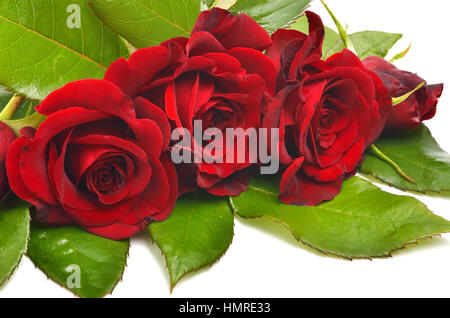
326, 123
7, 136
418, 107
215, 76
97, 160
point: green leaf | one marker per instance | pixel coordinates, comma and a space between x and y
361, 222
272, 14
40, 53
197, 233
61, 252
368, 43
418, 155
148, 22
14, 231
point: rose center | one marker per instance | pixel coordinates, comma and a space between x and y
106, 176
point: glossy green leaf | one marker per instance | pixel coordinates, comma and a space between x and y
88, 265
148, 22
272, 14
197, 233
368, 43
361, 222
14, 230
418, 155
40, 53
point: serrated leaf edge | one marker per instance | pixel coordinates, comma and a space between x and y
328, 253
372, 177
127, 254
174, 283
23, 252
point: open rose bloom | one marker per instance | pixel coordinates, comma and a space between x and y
328, 113
98, 160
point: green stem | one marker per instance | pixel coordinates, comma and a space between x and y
9, 110
342, 32
33, 120
377, 152
401, 99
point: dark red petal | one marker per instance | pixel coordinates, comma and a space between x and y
187, 175
13, 170
203, 42
274, 119
7, 136
428, 109
298, 189
224, 62
344, 139
234, 185
316, 32
173, 192
141, 68
155, 197
323, 175
346, 58
352, 157
233, 31
118, 231
146, 110
91, 94
52, 215
289, 186
281, 38
361, 77
254, 62
148, 136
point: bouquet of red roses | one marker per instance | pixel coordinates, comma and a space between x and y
255, 117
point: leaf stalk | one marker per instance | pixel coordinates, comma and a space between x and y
377, 152
342, 32
10, 109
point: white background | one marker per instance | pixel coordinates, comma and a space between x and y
264, 260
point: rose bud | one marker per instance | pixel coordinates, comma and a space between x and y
415, 109
326, 122
217, 76
7, 136
99, 160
